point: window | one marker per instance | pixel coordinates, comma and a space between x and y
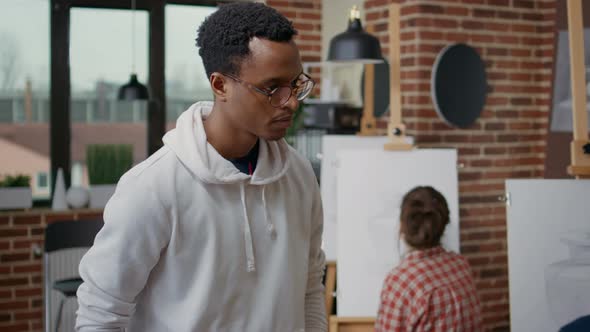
24, 90
42, 180
101, 57
186, 81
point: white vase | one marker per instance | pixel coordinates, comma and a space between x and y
77, 197
100, 195
58, 202
567, 282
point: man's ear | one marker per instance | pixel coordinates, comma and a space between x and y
219, 86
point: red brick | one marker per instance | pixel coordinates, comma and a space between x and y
484, 247
499, 27
36, 279
523, 28
494, 150
511, 15
29, 315
301, 4
435, 35
278, 3
519, 101
497, 101
508, 39
482, 38
28, 292
502, 3
53, 217
25, 244
375, 3
27, 220
431, 9
469, 150
309, 16
37, 231
483, 13
528, 4
477, 236
27, 268
533, 16
303, 26
11, 232
445, 23
469, 176
473, 25
15, 257
5, 294
504, 114
466, 224
15, 327
11, 305
408, 10
457, 11
5, 220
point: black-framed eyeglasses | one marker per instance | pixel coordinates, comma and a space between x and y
280, 95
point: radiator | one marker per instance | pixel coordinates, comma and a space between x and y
61, 265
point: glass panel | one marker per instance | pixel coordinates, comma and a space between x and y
186, 81
101, 57
24, 90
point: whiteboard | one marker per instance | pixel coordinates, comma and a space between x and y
371, 185
541, 215
331, 146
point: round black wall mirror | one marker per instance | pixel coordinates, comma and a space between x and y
381, 88
459, 85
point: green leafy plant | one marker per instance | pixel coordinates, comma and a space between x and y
19, 180
108, 162
296, 124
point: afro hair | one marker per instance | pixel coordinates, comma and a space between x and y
223, 37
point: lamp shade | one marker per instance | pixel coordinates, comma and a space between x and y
355, 45
133, 90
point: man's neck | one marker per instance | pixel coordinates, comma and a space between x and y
227, 140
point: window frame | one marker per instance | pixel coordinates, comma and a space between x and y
60, 76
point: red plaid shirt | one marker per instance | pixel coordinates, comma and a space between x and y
431, 290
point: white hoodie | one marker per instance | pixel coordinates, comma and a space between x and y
192, 244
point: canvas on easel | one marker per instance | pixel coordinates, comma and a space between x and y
331, 146
548, 253
371, 184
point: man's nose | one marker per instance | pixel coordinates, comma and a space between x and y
292, 104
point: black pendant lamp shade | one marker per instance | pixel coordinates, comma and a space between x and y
133, 90
355, 45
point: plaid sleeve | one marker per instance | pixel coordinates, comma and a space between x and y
395, 304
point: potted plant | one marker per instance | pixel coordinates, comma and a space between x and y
15, 192
106, 163
296, 125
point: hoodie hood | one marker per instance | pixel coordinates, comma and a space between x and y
189, 142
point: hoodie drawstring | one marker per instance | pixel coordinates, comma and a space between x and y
270, 226
250, 262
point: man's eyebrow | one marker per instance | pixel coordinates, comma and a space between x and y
275, 80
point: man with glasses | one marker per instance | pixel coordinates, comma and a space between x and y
220, 230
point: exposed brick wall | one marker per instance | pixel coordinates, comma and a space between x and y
516, 40
306, 16
21, 272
